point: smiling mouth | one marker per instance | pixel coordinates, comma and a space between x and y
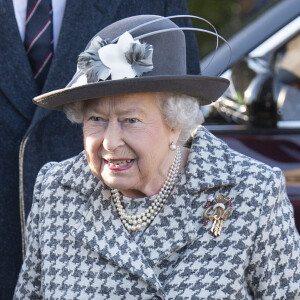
118, 163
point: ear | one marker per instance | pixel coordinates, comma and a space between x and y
174, 135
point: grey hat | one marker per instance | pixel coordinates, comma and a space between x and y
139, 54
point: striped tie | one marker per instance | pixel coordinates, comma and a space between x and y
39, 38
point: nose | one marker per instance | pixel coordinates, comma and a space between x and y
112, 137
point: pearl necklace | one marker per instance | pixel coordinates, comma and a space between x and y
136, 222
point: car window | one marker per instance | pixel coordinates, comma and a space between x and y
264, 91
287, 71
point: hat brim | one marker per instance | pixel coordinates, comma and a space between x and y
205, 89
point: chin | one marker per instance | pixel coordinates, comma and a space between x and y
116, 184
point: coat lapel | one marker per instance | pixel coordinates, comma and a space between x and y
208, 170
21, 86
210, 163
172, 228
101, 229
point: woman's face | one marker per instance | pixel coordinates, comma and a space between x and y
127, 143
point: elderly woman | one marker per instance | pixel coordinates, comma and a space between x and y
156, 207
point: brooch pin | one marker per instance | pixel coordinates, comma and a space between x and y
216, 211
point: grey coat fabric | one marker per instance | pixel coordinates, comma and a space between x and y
77, 247
32, 136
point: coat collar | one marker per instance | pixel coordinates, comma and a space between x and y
173, 228
210, 163
209, 167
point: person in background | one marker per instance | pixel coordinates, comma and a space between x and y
32, 136
155, 207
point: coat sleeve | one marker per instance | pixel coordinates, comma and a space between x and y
29, 282
274, 269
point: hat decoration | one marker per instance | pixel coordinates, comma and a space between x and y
128, 58
125, 56
135, 55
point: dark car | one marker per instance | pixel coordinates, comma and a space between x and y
259, 115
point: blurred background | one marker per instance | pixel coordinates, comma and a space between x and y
259, 114
228, 16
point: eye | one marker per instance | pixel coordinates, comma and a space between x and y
132, 120
96, 119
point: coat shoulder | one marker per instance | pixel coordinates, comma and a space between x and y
245, 166
238, 164
59, 169
257, 180
73, 173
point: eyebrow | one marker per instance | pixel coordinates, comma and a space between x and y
121, 111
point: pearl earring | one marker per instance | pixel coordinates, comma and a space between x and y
172, 146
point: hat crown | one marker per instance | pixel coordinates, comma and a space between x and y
139, 54
169, 48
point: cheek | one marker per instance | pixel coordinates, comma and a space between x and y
157, 137
92, 138
158, 140
152, 147
92, 144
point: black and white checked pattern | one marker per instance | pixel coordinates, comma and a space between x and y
77, 247
39, 38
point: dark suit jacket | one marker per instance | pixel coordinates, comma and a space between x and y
32, 136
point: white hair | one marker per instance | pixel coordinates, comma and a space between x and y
74, 111
179, 111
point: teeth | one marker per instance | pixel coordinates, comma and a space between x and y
120, 163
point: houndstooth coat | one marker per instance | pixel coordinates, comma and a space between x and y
77, 247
